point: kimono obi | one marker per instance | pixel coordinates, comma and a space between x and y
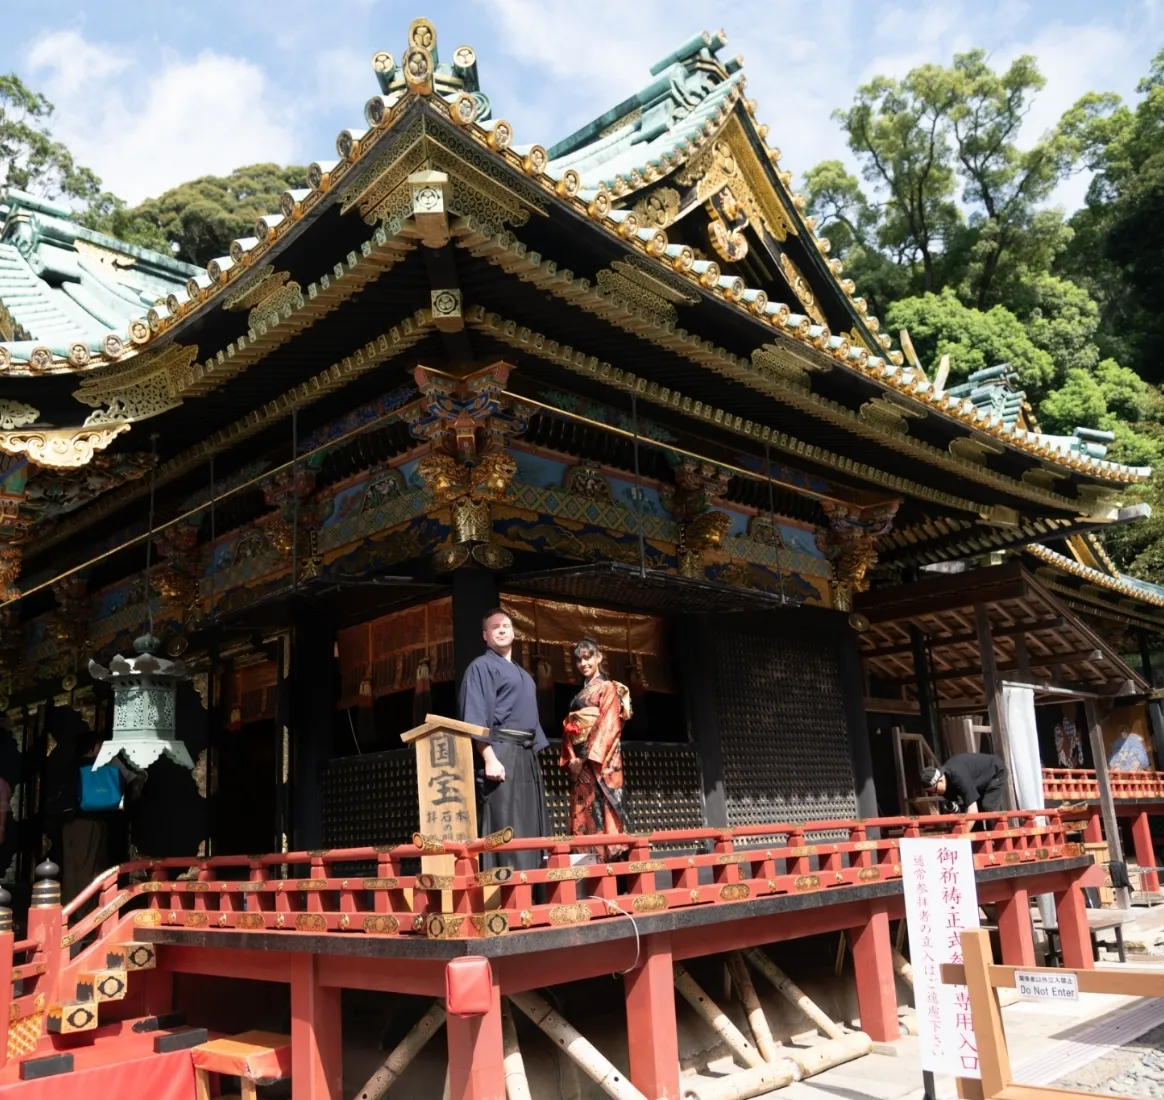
579, 724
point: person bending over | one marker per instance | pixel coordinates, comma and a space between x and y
974, 781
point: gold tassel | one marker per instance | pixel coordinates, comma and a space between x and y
235, 722
365, 697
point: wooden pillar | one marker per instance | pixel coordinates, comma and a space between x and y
284, 722
1155, 708
927, 704
476, 1055
474, 594
994, 695
1145, 853
313, 709
693, 656
1093, 830
873, 966
316, 1034
1111, 825
1014, 930
652, 1034
853, 698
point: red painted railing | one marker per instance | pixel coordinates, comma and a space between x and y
307, 892
1080, 785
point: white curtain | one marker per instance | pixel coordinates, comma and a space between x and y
1018, 704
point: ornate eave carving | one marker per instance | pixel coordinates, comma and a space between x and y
61, 448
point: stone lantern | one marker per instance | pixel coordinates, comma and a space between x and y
144, 688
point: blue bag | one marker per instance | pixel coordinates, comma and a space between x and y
100, 789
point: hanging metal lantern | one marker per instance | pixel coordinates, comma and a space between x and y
144, 688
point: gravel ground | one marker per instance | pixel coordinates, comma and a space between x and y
1134, 1070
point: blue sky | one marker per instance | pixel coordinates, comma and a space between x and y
151, 94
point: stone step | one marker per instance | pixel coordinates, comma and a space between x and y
71, 1018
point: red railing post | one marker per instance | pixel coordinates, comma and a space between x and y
6, 940
45, 921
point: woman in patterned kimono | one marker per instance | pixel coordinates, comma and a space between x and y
592, 751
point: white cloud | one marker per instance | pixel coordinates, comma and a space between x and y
187, 118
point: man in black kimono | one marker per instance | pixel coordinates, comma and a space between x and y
502, 696
975, 781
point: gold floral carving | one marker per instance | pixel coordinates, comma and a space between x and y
381, 925
430, 844
807, 882
311, 922
495, 840
570, 914
721, 165
254, 289
649, 903
491, 924
868, 874
148, 918
15, 414
251, 921
380, 884
734, 891
443, 926
800, 287
630, 288
144, 387
658, 209
61, 448
565, 874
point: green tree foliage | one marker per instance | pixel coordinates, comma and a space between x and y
30, 159
1118, 250
196, 221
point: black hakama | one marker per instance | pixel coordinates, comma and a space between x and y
502, 696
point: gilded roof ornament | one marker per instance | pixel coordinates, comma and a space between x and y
60, 448
15, 414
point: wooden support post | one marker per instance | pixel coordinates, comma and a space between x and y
994, 696
1106, 803
873, 966
652, 1034
476, 1053
1014, 929
1145, 853
993, 1058
1074, 931
316, 1034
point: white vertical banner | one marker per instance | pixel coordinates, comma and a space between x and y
941, 899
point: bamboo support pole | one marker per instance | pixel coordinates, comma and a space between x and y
902, 968
760, 1081
786, 986
406, 1050
715, 1016
581, 1051
757, 1021
832, 1052
516, 1082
